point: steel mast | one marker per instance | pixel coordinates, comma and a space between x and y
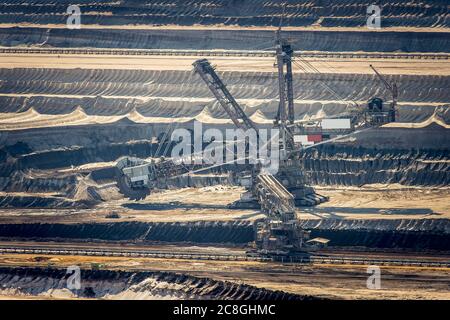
285, 115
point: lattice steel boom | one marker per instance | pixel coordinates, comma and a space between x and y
220, 91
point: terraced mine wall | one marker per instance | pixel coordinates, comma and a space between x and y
344, 166
432, 137
332, 164
198, 232
31, 201
51, 108
117, 92
418, 109
18, 181
82, 196
78, 156
343, 13
367, 41
132, 285
414, 234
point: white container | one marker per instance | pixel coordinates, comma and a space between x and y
303, 140
336, 124
300, 138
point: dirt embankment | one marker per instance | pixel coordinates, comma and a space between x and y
412, 234
105, 284
367, 41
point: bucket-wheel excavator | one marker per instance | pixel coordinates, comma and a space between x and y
280, 233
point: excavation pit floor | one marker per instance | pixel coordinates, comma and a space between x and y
210, 204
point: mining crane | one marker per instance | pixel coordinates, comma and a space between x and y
285, 114
280, 233
289, 174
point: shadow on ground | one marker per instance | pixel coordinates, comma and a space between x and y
171, 205
334, 211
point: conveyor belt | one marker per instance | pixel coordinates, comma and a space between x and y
360, 260
222, 53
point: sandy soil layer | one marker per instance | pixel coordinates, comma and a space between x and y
225, 27
333, 281
210, 204
258, 64
389, 201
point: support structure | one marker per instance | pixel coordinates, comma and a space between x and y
284, 54
280, 232
285, 115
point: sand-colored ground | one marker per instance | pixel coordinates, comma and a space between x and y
210, 204
225, 27
382, 201
243, 64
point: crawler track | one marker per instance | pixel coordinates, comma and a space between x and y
222, 53
143, 253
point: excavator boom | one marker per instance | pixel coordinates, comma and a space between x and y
392, 87
223, 96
